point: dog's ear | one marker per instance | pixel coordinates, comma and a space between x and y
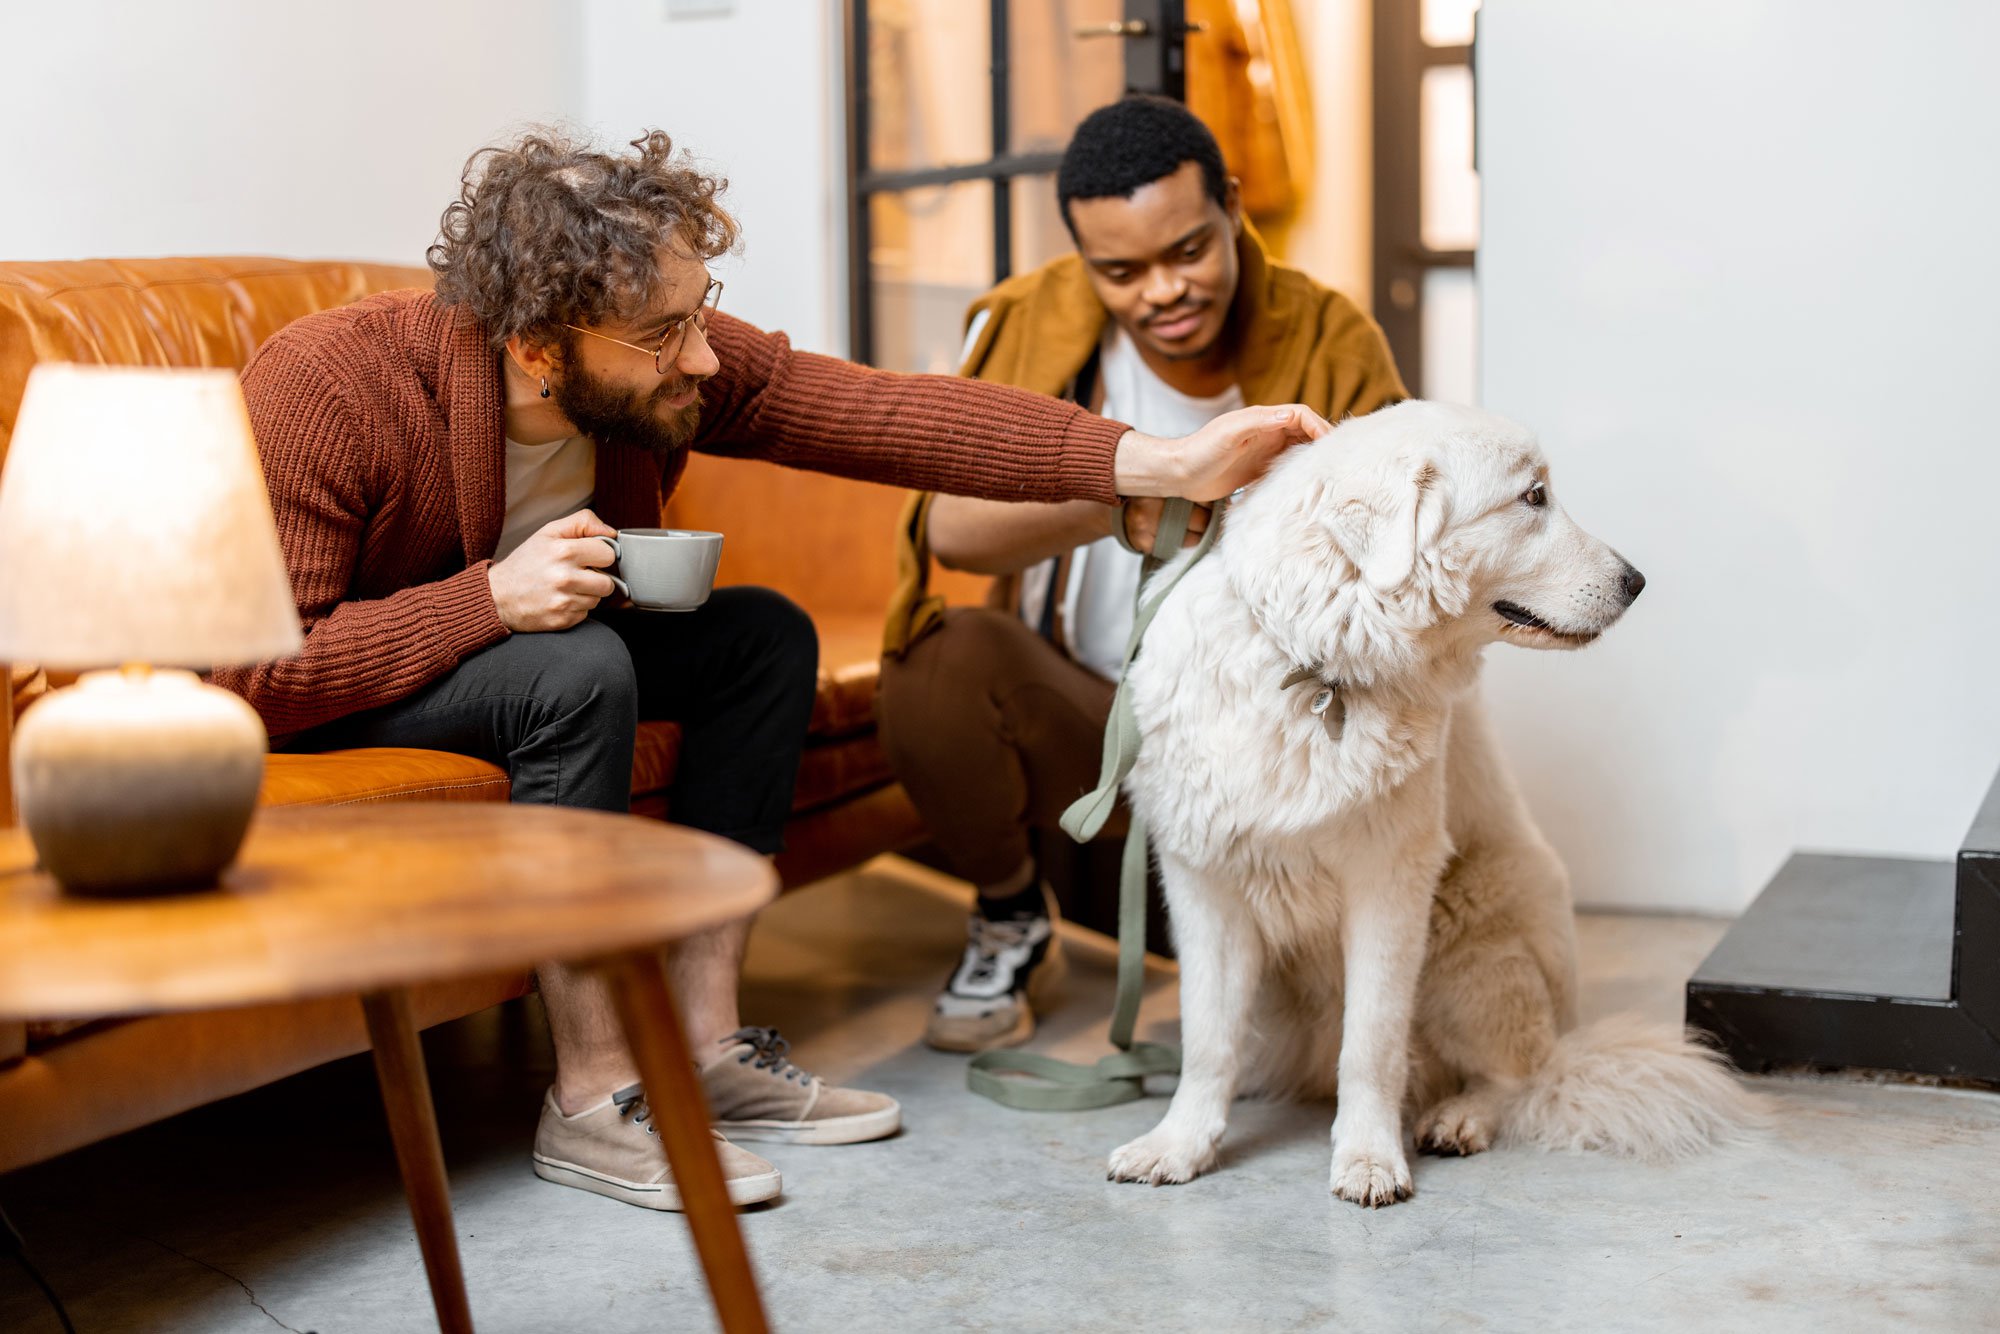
1385, 531
1324, 558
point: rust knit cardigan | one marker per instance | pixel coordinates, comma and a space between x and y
381, 427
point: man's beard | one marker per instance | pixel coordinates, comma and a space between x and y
610, 416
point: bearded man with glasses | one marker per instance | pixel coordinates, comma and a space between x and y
442, 465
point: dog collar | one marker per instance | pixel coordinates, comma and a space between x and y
1326, 705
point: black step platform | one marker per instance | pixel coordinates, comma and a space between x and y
1873, 963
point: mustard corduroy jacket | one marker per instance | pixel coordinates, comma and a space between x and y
1297, 342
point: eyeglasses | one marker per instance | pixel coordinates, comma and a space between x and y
675, 337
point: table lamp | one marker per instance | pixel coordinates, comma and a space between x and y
135, 534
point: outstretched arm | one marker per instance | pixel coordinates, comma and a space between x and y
964, 437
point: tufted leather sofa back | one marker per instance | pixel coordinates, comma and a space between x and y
163, 312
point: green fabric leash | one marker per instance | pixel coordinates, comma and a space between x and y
1120, 1077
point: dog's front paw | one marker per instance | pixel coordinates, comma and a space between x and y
1456, 1127
1371, 1179
1161, 1159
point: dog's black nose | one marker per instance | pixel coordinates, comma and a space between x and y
1635, 584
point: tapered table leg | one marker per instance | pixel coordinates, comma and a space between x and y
653, 1029
406, 1096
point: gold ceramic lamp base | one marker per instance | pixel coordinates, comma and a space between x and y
138, 781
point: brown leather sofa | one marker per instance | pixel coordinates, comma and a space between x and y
825, 542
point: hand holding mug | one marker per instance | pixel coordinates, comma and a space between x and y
555, 578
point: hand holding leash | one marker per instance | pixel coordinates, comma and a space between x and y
1138, 522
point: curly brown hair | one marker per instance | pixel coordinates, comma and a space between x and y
547, 231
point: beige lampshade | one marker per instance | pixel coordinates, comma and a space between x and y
134, 525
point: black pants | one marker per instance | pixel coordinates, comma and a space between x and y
560, 710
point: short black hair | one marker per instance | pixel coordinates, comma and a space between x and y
1133, 143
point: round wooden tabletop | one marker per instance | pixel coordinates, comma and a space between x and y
331, 900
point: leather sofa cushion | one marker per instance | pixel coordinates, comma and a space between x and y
850, 663
349, 777
354, 777
832, 768
655, 757
841, 757
833, 771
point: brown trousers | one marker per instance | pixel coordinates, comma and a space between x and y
993, 732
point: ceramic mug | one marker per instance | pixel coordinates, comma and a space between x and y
664, 569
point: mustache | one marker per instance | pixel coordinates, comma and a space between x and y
674, 388
1180, 312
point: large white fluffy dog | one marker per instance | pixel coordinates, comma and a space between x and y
1359, 896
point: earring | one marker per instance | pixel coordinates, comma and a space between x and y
545, 386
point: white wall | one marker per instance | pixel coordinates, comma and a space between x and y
247, 127
756, 92
1738, 274
241, 126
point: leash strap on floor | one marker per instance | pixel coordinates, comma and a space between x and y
1035, 1083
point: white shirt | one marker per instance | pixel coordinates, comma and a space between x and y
1103, 576
545, 483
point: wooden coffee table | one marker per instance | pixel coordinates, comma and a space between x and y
371, 900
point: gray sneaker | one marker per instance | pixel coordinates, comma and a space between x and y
1008, 970
755, 1093
614, 1149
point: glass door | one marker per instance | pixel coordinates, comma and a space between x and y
1427, 193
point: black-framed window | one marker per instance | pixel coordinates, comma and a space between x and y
1426, 209
957, 114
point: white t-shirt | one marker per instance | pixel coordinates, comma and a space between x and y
1103, 576
545, 483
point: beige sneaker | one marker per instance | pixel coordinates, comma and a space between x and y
614, 1149
755, 1093
1010, 969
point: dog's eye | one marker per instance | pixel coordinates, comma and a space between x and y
1535, 496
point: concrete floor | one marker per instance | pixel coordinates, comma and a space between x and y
1868, 1207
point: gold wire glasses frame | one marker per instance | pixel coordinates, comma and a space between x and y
676, 333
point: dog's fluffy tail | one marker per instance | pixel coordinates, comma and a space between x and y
1632, 1088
